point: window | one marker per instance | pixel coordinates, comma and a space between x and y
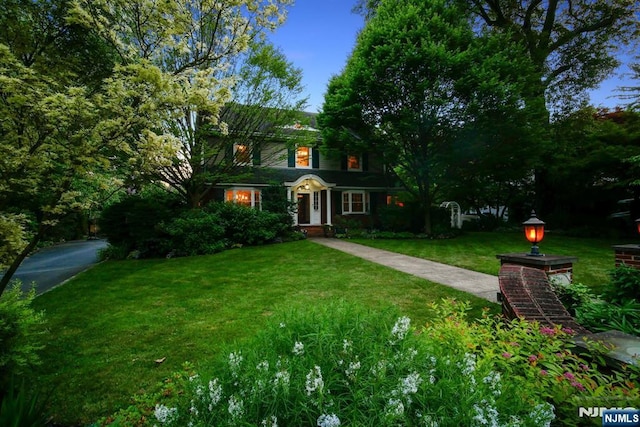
356, 202
354, 163
303, 157
393, 200
247, 197
242, 154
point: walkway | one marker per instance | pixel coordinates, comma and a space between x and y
479, 284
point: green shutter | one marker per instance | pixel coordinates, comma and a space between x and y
315, 158
343, 162
291, 162
365, 162
256, 156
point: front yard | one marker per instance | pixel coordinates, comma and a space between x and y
122, 327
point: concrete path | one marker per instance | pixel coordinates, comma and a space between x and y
479, 284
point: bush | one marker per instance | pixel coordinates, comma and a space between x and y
21, 407
600, 316
246, 226
133, 222
625, 285
343, 364
21, 329
196, 232
573, 295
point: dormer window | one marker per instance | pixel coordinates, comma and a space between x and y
303, 157
354, 163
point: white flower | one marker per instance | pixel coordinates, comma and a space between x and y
395, 408
411, 383
283, 325
400, 328
282, 379
164, 414
314, 380
298, 348
493, 379
328, 420
263, 366
236, 407
270, 422
346, 345
352, 369
234, 361
486, 414
468, 365
215, 392
543, 414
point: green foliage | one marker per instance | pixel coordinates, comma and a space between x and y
21, 329
21, 407
600, 316
539, 358
246, 226
133, 222
196, 232
573, 295
340, 363
625, 285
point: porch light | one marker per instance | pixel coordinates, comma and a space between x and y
638, 224
534, 232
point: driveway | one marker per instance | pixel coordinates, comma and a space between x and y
51, 266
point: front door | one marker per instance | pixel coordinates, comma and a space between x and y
304, 211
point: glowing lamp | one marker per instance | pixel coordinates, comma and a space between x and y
534, 232
638, 224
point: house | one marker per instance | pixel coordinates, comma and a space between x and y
327, 188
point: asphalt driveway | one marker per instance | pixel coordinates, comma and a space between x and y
51, 266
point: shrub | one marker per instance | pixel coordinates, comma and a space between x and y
600, 316
625, 284
196, 232
341, 364
21, 407
246, 226
21, 329
133, 222
573, 295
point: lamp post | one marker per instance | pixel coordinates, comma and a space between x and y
534, 232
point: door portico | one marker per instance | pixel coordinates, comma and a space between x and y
307, 192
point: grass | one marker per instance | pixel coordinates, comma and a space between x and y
109, 325
477, 251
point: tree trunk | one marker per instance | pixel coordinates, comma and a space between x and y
6, 278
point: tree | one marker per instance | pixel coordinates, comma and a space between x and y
264, 100
418, 83
60, 132
175, 80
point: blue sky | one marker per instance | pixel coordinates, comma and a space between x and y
319, 35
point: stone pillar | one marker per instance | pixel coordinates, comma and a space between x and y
557, 267
628, 255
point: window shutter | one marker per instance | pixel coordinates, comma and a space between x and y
343, 162
228, 153
337, 201
315, 158
292, 158
365, 162
373, 202
256, 156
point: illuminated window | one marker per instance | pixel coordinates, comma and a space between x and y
303, 157
354, 163
242, 154
247, 197
393, 200
356, 202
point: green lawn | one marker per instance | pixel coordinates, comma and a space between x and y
109, 325
477, 251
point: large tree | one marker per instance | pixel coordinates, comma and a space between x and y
419, 82
60, 129
265, 99
183, 52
